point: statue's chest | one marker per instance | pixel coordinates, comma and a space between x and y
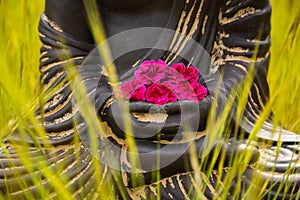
119, 17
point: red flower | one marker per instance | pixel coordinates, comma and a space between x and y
200, 91
190, 73
139, 94
159, 94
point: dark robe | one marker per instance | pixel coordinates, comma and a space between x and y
231, 37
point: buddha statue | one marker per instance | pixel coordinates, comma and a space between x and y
235, 35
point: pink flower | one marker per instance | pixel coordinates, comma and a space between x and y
185, 91
177, 83
190, 73
151, 72
139, 94
159, 94
174, 76
127, 89
156, 83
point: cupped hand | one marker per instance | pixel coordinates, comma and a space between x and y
148, 121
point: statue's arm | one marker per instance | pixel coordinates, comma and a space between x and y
71, 17
66, 41
243, 33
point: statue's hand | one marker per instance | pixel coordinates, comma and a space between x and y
147, 120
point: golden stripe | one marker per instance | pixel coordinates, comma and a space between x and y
153, 189
187, 36
61, 134
204, 24
53, 80
260, 100
242, 67
59, 107
56, 98
177, 30
196, 186
228, 2
208, 183
42, 35
243, 58
44, 53
252, 100
182, 33
79, 175
52, 23
79, 190
242, 13
47, 46
182, 187
47, 67
44, 181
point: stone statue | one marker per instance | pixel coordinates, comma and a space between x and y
235, 35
